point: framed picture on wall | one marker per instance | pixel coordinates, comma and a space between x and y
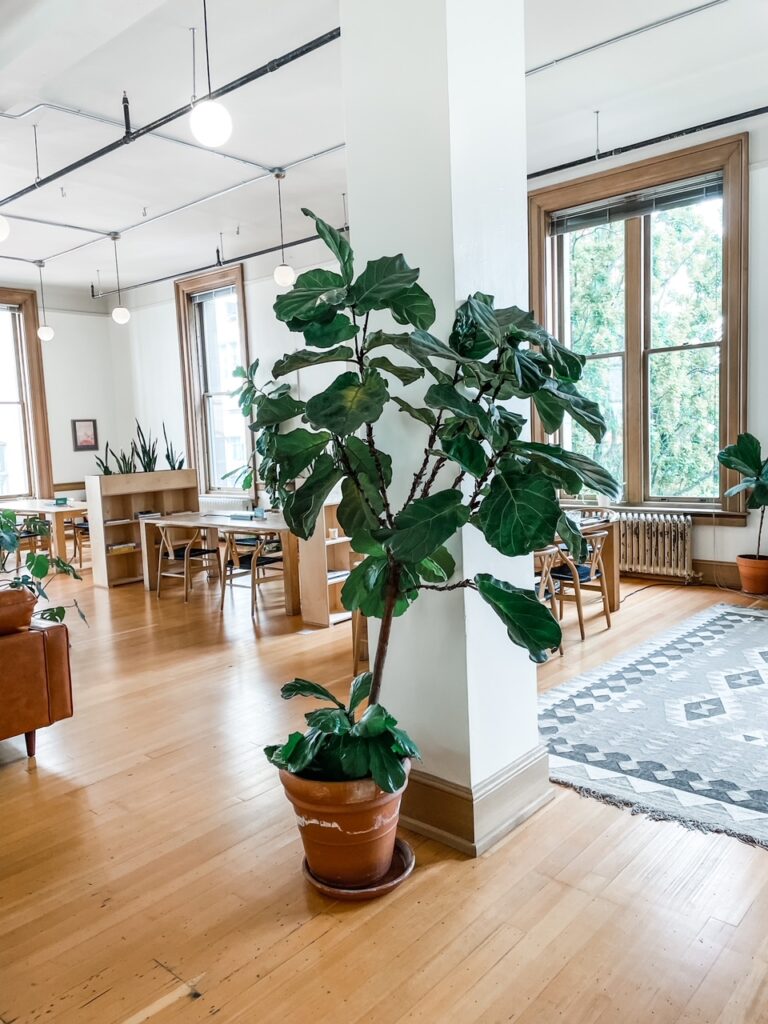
85, 437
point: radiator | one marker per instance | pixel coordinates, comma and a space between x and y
226, 502
656, 544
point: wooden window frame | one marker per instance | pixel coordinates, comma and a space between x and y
196, 434
38, 445
730, 156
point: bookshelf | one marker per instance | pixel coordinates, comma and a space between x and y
323, 568
114, 503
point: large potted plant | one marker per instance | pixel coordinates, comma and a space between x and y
747, 459
346, 773
22, 588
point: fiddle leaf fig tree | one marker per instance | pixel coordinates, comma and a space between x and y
475, 470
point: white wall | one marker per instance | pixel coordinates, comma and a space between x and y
724, 543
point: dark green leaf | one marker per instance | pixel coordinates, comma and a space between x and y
386, 766
296, 755
355, 516
53, 614
305, 688
38, 564
359, 690
403, 745
336, 242
569, 533
467, 453
520, 512
331, 720
438, 567
417, 350
382, 280
570, 470
445, 396
348, 403
295, 451
276, 410
362, 461
323, 335
423, 415
425, 524
353, 757
301, 359
413, 306
744, 456
374, 721
405, 374
529, 623
366, 588
316, 292
302, 506
555, 399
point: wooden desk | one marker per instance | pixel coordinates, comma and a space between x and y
55, 514
610, 551
214, 523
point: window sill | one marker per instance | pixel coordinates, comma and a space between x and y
701, 514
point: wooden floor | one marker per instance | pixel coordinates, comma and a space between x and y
149, 863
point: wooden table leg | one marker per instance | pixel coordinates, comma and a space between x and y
611, 564
148, 553
59, 535
290, 546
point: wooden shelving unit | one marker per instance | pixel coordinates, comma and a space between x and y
323, 567
113, 504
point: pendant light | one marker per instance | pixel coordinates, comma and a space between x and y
5, 228
284, 274
44, 332
209, 120
120, 314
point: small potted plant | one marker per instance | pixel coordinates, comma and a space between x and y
346, 773
747, 459
20, 589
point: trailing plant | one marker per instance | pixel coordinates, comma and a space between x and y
475, 468
39, 567
174, 459
103, 464
747, 459
146, 450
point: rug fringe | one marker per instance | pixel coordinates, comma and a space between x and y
656, 814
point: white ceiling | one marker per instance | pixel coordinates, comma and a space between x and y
84, 53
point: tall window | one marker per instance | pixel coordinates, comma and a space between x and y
213, 343
25, 457
647, 284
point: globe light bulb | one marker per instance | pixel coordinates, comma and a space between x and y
210, 123
284, 275
5, 228
45, 333
121, 315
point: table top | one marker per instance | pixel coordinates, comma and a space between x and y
272, 522
43, 506
589, 523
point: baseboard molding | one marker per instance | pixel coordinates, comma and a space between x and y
473, 819
723, 574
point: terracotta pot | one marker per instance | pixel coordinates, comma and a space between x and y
753, 570
16, 607
348, 828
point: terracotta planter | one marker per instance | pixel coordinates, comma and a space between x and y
16, 607
348, 828
753, 570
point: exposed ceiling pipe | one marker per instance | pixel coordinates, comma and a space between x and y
160, 122
624, 35
211, 266
203, 199
115, 123
55, 224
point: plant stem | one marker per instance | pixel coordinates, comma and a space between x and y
384, 633
760, 530
462, 584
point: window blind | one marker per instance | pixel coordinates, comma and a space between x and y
638, 204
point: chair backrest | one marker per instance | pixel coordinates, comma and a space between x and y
545, 561
596, 545
168, 544
232, 554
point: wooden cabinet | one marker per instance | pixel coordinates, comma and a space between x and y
324, 563
115, 504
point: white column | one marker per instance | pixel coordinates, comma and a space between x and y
435, 127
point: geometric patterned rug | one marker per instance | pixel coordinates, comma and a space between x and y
676, 729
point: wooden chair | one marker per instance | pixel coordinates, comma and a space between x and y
581, 576
188, 553
250, 556
81, 536
547, 588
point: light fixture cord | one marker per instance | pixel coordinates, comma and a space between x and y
37, 155
117, 274
280, 207
207, 57
42, 296
194, 65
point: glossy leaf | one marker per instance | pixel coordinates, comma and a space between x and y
382, 280
323, 335
330, 720
375, 721
437, 567
556, 398
305, 688
315, 292
520, 512
425, 416
302, 506
569, 533
362, 461
445, 396
467, 453
295, 451
270, 411
529, 623
386, 766
405, 374
425, 524
359, 690
744, 456
413, 306
303, 358
569, 470
356, 516
336, 242
348, 403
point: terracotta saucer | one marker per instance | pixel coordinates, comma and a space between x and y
403, 861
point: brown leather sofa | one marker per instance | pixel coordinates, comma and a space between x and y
35, 681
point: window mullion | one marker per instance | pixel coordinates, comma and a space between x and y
634, 390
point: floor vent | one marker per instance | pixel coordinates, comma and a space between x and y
656, 544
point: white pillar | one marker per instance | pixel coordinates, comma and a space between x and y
435, 127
